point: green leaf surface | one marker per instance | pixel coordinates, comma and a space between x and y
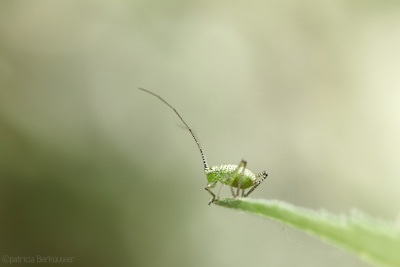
373, 240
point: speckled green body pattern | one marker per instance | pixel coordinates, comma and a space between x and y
231, 175
234, 176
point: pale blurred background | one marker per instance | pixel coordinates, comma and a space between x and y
94, 169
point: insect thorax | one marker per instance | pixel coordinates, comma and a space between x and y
228, 175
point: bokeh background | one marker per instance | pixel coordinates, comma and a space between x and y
94, 169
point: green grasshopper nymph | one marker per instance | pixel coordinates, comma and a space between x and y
236, 176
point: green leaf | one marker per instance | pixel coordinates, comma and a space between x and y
370, 239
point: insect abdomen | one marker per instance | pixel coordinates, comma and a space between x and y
229, 175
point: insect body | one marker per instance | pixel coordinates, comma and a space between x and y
237, 177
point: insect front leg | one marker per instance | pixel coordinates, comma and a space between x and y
227, 179
263, 175
220, 189
232, 191
208, 189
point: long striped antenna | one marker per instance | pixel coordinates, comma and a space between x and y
187, 126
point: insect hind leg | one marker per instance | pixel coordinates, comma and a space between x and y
263, 176
243, 165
